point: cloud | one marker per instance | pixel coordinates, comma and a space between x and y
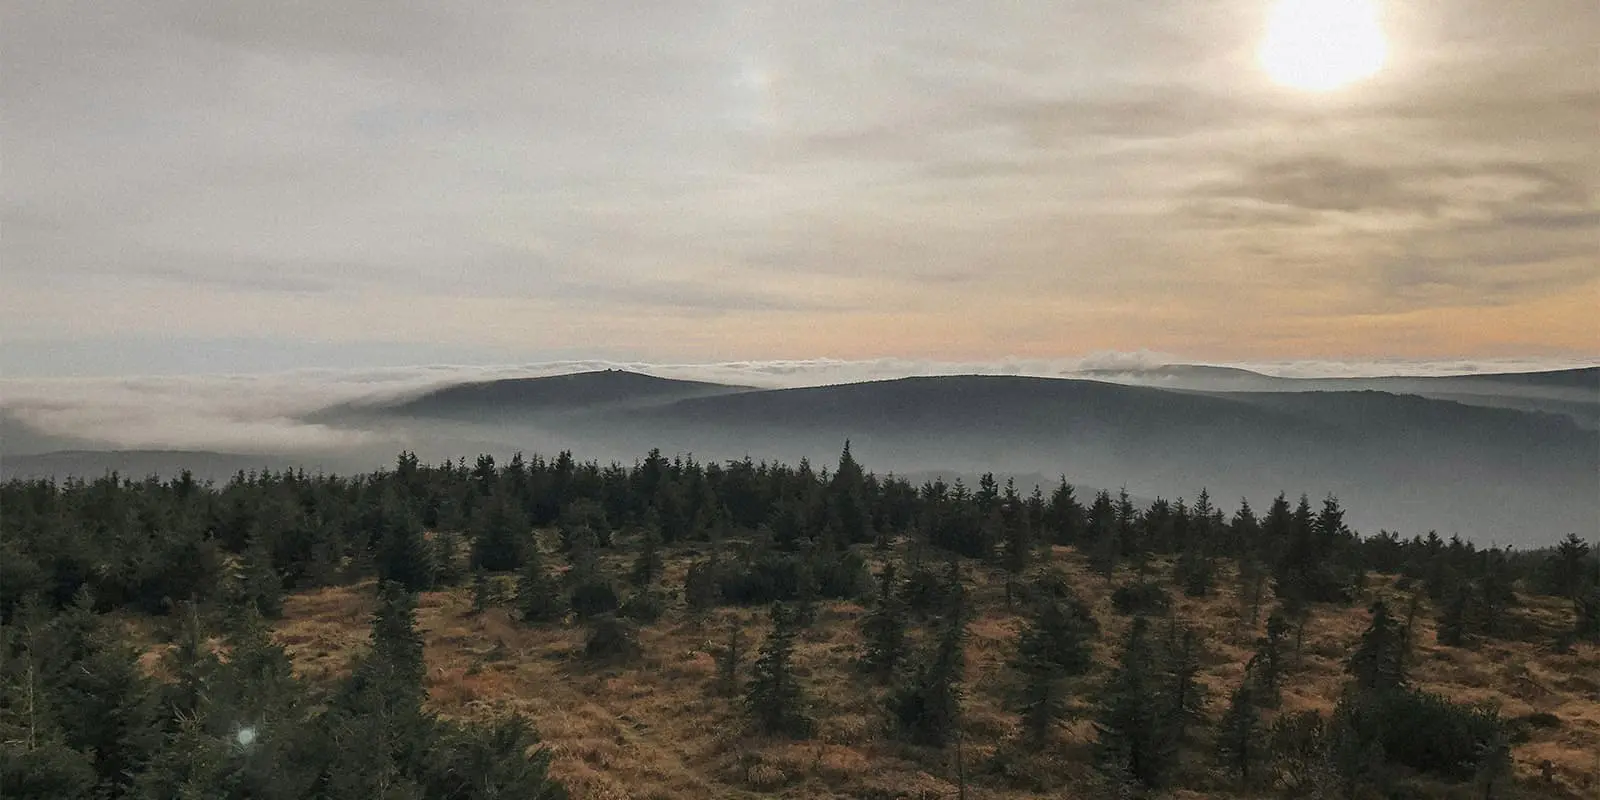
694, 181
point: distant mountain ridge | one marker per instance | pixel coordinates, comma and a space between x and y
1485, 456
574, 392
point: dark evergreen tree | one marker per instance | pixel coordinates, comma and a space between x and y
488, 762
538, 597
847, 500
449, 567
36, 761
1065, 515
1267, 665
926, 708
102, 702
1134, 741
611, 640
647, 565
500, 532
404, 555
1378, 662
1239, 739
729, 657
1017, 546
1455, 621
883, 633
255, 580
701, 586
483, 591
776, 701
1061, 629
1183, 696
1569, 568
1056, 644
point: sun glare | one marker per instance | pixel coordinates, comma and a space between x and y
1320, 45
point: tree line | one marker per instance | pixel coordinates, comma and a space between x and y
82, 718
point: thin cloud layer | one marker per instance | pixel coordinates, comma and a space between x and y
699, 181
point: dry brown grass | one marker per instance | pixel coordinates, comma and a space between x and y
656, 729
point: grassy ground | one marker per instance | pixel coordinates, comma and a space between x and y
657, 728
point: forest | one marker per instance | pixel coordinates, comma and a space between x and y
824, 632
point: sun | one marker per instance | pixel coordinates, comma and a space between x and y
1321, 45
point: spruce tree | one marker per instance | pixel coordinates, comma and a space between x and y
1133, 741
489, 761
404, 554
483, 591
1378, 662
103, 703
1043, 700
700, 586
1017, 547
538, 595
500, 532
1061, 629
647, 566
927, 707
375, 732
1267, 665
1239, 744
776, 701
1455, 621
36, 762
449, 568
255, 580
883, 634
729, 657
1184, 697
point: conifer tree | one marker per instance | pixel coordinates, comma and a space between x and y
1267, 665
404, 555
483, 591
700, 588
538, 597
1183, 695
1043, 700
847, 503
1017, 544
647, 565
36, 762
500, 533
103, 703
1056, 644
1378, 661
1103, 547
1061, 629
376, 732
192, 664
488, 762
774, 696
449, 569
1239, 737
1454, 622
1065, 514
927, 707
883, 632
729, 657
256, 581
1568, 567
1133, 741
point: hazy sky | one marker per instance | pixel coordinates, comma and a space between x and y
244, 186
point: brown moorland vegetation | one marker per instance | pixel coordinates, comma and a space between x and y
658, 727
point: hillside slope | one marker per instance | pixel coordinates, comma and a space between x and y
659, 729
